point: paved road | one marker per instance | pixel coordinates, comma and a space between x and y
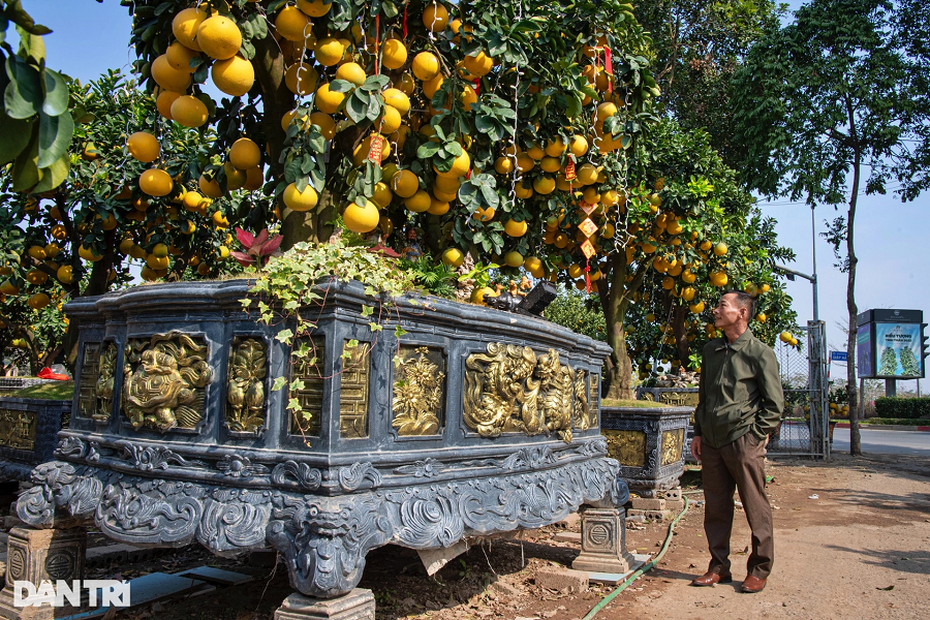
885, 442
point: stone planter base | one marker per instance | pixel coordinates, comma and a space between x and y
359, 604
603, 541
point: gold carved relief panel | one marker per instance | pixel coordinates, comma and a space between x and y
307, 374
672, 443
87, 393
245, 390
353, 392
18, 429
419, 391
628, 447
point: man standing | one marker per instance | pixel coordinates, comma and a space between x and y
740, 402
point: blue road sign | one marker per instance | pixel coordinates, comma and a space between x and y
837, 356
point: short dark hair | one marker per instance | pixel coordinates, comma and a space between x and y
743, 300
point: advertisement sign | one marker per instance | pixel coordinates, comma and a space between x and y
864, 350
897, 346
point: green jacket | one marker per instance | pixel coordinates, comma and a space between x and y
740, 391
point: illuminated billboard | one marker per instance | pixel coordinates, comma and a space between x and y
890, 344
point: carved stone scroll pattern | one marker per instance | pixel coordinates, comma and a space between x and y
628, 447
105, 385
595, 400
245, 390
309, 372
509, 389
18, 429
87, 391
164, 381
418, 391
353, 391
324, 539
672, 444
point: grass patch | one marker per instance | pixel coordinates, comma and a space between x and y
621, 402
54, 390
893, 421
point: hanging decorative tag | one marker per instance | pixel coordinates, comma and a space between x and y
587, 227
570, 170
587, 248
477, 86
376, 150
587, 274
405, 22
587, 207
609, 67
377, 34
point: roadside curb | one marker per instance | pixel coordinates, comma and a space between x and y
887, 427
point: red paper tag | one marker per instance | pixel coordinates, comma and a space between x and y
587, 227
570, 170
586, 207
405, 22
609, 66
377, 146
587, 248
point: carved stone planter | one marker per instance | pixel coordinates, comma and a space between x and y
649, 444
475, 421
29, 433
675, 397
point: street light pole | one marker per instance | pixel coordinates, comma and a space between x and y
813, 277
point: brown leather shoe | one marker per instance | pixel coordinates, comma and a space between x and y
710, 578
752, 585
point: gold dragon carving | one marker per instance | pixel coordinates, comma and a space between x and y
106, 383
245, 391
164, 382
581, 416
418, 395
508, 389
628, 447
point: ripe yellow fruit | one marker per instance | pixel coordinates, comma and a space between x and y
244, 154
394, 54
235, 178
551, 164
534, 266
328, 101
587, 174
160, 250
478, 65
513, 259
157, 262
460, 167
697, 308
479, 294
361, 219
38, 301
397, 99
706, 245
168, 77
326, 124
438, 206
555, 148
718, 278
185, 25
688, 276
453, 257
578, 145
382, 195
515, 228
300, 201
52, 250
605, 110
405, 183
435, 17
8, 288
180, 56
292, 24
425, 66
88, 254
431, 86
503, 165
156, 182
544, 185
419, 202
254, 179
189, 111
233, 76
192, 201
301, 78
65, 274
688, 293
720, 249
36, 276
390, 120
329, 51
314, 8
761, 317
351, 72
219, 220
219, 37
164, 101
209, 187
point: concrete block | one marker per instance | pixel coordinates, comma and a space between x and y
572, 537
658, 515
675, 506
673, 494
359, 604
643, 503
562, 579
571, 521
434, 559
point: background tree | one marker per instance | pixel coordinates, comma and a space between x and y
841, 91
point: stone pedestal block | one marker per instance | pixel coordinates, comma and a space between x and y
41, 555
603, 541
359, 604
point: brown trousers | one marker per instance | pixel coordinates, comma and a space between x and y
737, 465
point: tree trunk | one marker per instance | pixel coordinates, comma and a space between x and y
618, 378
855, 443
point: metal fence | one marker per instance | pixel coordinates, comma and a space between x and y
804, 427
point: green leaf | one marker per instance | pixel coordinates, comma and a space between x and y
357, 107
341, 86
23, 95
15, 134
54, 137
25, 172
54, 175
31, 47
428, 149
21, 18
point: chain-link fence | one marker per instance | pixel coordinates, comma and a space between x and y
803, 429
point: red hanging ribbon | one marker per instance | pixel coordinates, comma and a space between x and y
477, 85
405, 22
377, 34
609, 67
587, 275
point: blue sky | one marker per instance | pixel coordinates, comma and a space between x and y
89, 37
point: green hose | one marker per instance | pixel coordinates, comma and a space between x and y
642, 569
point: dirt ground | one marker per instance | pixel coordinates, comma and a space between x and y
852, 541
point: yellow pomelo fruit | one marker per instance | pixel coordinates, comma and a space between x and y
189, 111
301, 78
36, 276
292, 24
397, 100
515, 228
459, 168
329, 51
513, 259
156, 182
448, 184
219, 37
406, 84
587, 174
326, 124
405, 183
578, 145
534, 266
191, 201
503, 165
185, 25
435, 17
361, 219
300, 201
38, 301
209, 187
555, 148
419, 202
157, 262
394, 54
88, 254
605, 110
550, 164
438, 207
244, 154
65, 274
179, 56
390, 120
440, 195
143, 146
164, 101
235, 178
720, 249
718, 278
233, 76
314, 8
254, 179
168, 77
160, 250
544, 185
382, 194
536, 152
220, 221
468, 97
328, 101
697, 308
525, 163
522, 192
432, 85
478, 65
351, 72
425, 66
479, 294
453, 257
